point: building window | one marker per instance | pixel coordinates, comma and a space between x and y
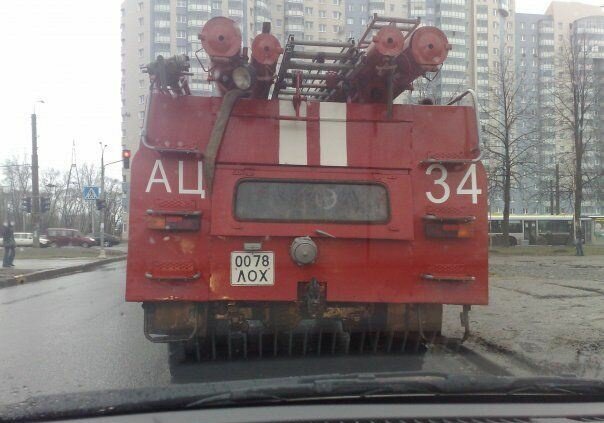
182, 50
351, 7
363, 21
509, 37
510, 50
521, 25
522, 50
350, 21
494, 12
308, 11
141, 5
336, 29
181, 34
322, 14
336, 2
181, 3
141, 52
141, 37
141, 99
363, 8
279, 23
336, 15
141, 115
322, 27
308, 37
392, 8
308, 25
181, 18
141, 21
141, 83
533, 26
522, 38
495, 50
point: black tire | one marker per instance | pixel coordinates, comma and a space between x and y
513, 241
177, 355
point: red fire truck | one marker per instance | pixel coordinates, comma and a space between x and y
300, 209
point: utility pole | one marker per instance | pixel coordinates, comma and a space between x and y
103, 198
551, 197
35, 190
557, 188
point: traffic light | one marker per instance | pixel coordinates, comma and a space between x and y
126, 158
26, 204
100, 204
44, 204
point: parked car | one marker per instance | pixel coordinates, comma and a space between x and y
61, 237
110, 240
26, 239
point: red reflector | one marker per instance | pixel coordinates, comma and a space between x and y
156, 222
173, 220
449, 230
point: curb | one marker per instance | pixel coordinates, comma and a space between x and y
54, 273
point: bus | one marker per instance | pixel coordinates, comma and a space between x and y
528, 229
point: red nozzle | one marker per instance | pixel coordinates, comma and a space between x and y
389, 41
221, 37
429, 47
266, 49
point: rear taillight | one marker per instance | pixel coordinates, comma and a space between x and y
173, 220
448, 227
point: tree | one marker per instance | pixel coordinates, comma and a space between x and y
67, 207
575, 101
509, 141
17, 185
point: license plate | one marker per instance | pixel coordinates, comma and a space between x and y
249, 268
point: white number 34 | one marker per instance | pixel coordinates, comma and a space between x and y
446, 191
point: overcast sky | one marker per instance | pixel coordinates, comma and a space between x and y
67, 53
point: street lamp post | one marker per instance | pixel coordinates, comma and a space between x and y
35, 189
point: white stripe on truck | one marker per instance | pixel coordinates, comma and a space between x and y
292, 135
333, 134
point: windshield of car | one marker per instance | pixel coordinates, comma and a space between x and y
197, 192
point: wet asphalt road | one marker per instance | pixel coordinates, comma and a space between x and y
76, 333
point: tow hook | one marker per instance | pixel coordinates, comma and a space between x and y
314, 298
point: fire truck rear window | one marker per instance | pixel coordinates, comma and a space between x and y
311, 201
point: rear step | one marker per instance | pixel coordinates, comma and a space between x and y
241, 345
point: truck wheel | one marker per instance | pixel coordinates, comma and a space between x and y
176, 356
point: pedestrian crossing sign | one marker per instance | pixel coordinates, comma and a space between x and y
91, 193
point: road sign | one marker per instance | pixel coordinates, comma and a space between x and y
91, 193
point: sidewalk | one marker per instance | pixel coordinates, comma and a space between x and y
546, 311
36, 269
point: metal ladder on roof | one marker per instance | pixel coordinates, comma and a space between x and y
316, 73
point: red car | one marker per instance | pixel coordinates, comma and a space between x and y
61, 237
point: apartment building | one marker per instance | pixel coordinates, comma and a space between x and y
541, 43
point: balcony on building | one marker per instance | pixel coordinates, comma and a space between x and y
294, 13
161, 7
199, 7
